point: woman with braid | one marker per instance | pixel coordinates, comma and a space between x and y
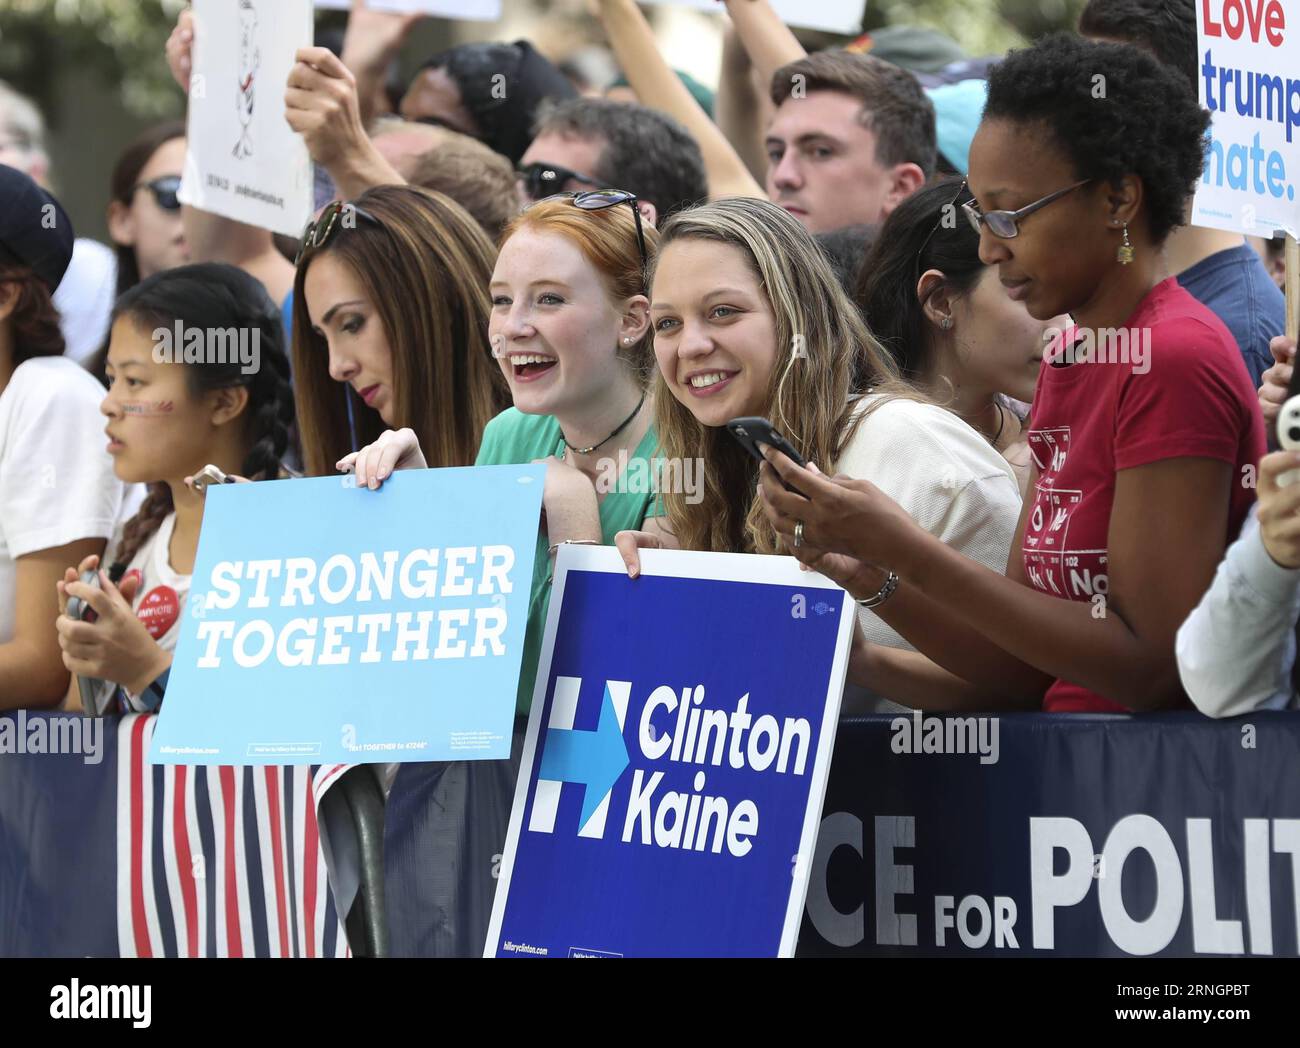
168, 416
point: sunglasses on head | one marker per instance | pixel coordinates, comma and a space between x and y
543, 180
337, 214
599, 199
1006, 224
943, 215
164, 191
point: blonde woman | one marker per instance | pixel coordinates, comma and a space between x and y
749, 319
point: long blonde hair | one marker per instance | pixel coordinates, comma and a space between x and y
808, 397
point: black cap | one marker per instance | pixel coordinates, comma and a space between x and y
501, 86
35, 231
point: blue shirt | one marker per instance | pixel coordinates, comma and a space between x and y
1235, 286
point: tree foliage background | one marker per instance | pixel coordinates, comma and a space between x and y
122, 40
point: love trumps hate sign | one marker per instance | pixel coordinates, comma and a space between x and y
333, 624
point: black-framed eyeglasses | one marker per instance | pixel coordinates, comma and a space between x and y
599, 199
334, 216
1006, 224
164, 190
542, 180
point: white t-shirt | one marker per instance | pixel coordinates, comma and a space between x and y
160, 598
84, 298
946, 476
56, 476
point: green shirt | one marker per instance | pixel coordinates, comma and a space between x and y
514, 438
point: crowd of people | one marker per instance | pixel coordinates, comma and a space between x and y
894, 261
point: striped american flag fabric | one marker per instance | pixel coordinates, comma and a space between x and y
219, 861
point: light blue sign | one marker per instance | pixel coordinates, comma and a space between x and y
327, 624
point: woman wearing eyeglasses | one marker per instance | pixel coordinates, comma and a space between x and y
390, 328
1138, 447
750, 319
144, 215
950, 325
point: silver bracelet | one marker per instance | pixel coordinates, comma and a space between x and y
571, 542
883, 594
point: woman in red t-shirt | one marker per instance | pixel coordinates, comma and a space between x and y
1144, 421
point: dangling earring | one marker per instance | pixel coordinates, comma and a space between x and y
1124, 255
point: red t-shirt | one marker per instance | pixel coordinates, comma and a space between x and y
1177, 389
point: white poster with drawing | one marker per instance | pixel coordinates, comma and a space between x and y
243, 161
831, 16
468, 10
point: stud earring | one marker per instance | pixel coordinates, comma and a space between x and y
946, 323
1125, 253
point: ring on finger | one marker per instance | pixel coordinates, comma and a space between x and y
798, 534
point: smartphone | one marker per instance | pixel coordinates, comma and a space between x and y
751, 432
78, 608
210, 475
89, 687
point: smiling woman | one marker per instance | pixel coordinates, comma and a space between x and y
571, 335
750, 319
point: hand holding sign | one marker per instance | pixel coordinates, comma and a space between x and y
321, 104
372, 465
1277, 379
179, 49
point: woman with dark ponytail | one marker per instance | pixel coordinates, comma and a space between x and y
950, 325
197, 374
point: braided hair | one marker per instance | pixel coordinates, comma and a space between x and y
207, 296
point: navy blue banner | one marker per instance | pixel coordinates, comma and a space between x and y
1059, 835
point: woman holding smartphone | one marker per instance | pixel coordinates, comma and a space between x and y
1139, 458
750, 320
166, 420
